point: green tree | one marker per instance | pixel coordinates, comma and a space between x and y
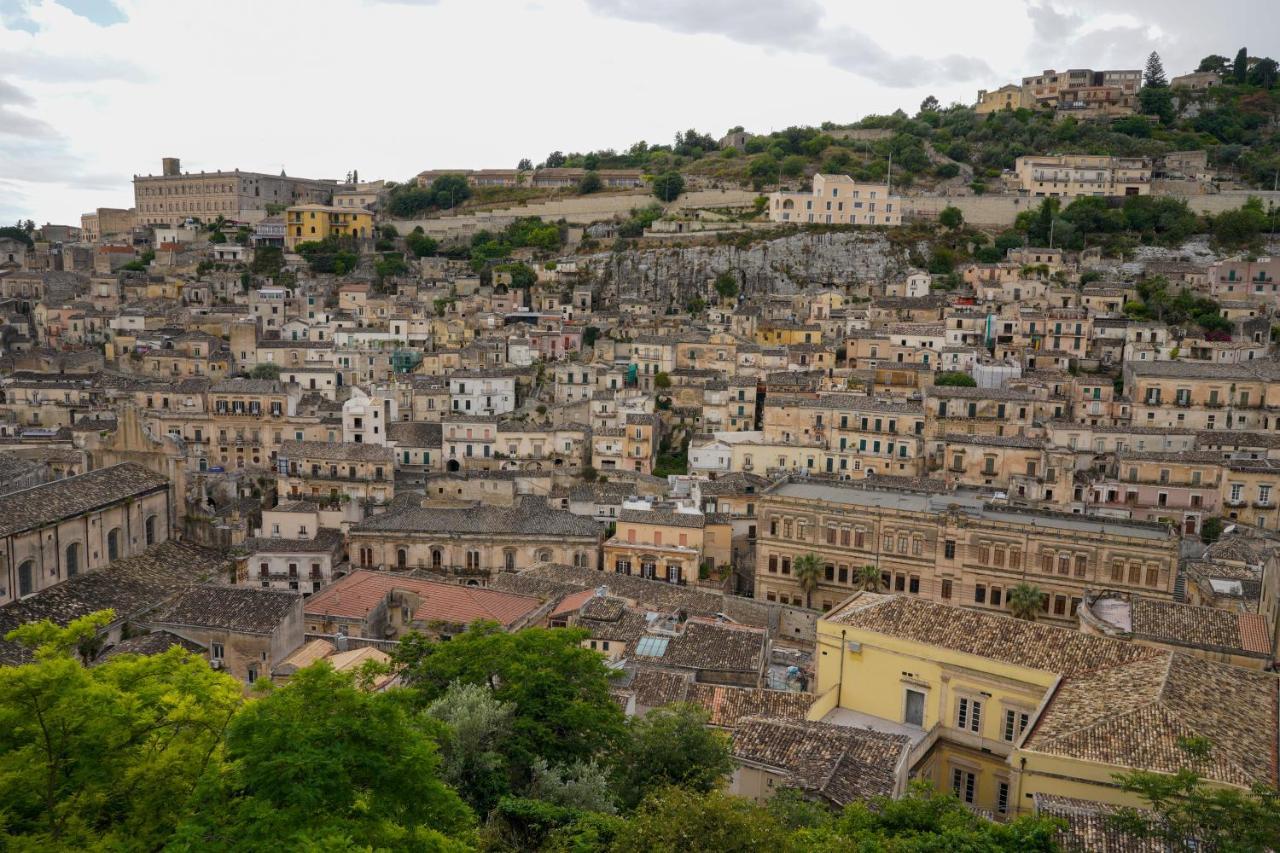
1186, 814
590, 183
808, 574
560, 690
929, 105
668, 186
583, 785
793, 166
17, 232
1157, 101
420, 244
951, 217
726, 285
676, 819
1211, 529
266, 370
954, 379
1240, 68
1154, 77
662, 380
925, 820
671, 746
869, 578
1215, 62
1264, 73
320, 764
267, 260
478, 724
1025, 601
105, 757
1240, 228
389, 265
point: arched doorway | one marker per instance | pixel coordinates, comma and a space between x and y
402, 558
452, 466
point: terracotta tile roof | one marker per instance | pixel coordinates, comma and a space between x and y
1088, 828
1204, 627
840, 763
573, 602
729, 705
232, 608
72, 496
708, 646
1135, 715
657, 687
355, 595
555, 579
130, 587
989, 635
528, 517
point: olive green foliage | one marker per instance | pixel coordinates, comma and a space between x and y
1181, 307
668, 186
560, 690
267, 260
104, 757
955, 379
420, 244
322, 764
335, 255
266, 370
672, 746
487, 248
1183, 813
408, 200
726, 285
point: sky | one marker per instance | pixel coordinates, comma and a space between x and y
93, 92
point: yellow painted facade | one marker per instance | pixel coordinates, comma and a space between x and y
309, 223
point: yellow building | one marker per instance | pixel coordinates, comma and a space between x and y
310, 223
1000, 710
1007, 97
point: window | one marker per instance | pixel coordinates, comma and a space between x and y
913, 713
946, 589
1153, 575
969, 714
72, 562
1064, 564
216, 651
1046, 562
950, 549
1002, 797
1117, 570
150, 528
113, 544
964, 784
1082, 565
26, 578
980, 594
1015, 723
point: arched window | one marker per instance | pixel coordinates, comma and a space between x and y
26, 578
113, 544
509, 560
544, 555
580, 559
73, 559
437, 558
150, 526
402, 558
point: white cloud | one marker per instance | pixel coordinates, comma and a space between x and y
391, 87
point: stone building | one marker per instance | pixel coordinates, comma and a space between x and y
952, 547
58, 530
174, 196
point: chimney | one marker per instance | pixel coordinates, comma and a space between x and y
170, 166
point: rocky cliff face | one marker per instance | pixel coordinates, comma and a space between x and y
673, 276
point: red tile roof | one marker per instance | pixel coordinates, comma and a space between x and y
1253, 633
574, 602
360, 592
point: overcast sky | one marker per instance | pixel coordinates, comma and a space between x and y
94, 91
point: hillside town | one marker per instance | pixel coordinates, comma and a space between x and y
905, 479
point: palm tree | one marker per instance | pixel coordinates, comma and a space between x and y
808, 573
869, 578
1025, 601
